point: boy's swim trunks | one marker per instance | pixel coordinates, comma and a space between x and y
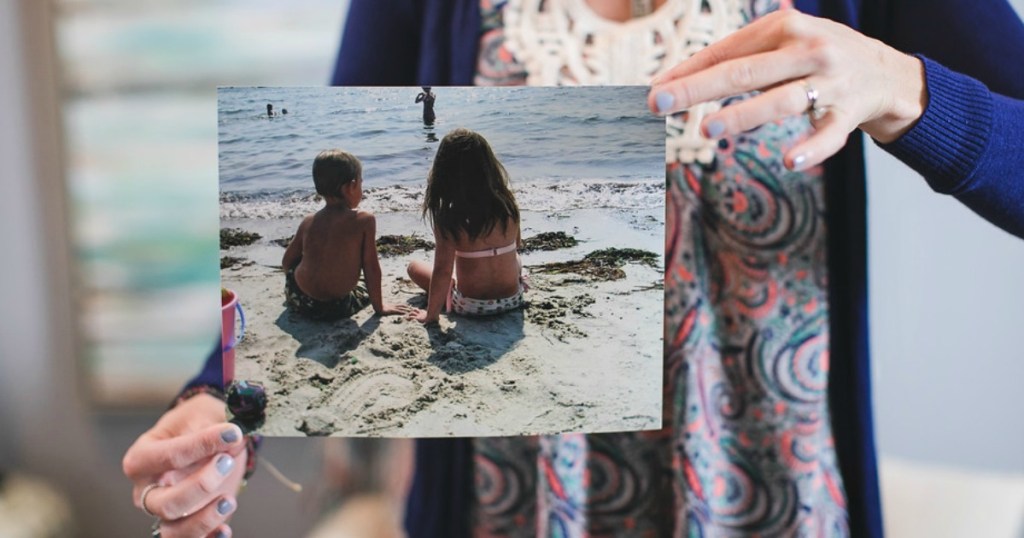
315, 309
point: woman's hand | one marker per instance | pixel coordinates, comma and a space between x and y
860, 82
198, 460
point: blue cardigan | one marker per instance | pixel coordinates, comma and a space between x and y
968, 144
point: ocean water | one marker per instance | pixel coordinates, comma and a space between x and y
564, 148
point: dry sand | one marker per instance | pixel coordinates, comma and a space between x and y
582, 356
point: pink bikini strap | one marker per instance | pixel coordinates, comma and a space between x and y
486, 253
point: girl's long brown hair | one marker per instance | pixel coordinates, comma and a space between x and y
467, 188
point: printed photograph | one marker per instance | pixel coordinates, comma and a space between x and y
426, 262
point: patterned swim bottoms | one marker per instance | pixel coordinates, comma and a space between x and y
468, 306
315, 309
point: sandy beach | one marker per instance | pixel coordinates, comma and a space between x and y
585, 354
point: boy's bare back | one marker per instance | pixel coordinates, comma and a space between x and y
329, 248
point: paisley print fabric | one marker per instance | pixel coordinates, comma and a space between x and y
496, 65
746, 447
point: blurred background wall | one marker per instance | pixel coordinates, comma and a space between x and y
87, 164
109, 211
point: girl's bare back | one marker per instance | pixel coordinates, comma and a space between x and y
491, 277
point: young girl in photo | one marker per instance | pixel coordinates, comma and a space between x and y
476, 229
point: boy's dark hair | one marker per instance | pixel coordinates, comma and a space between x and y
467, 188
333, 169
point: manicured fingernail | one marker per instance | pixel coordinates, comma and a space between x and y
224, 507
715, 128
798, 162
664, 100
229, 435
224, 464
222, 534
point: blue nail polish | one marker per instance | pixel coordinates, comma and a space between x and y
222, 534
224, 507
224, 464
715, 129
229, 435
664, 100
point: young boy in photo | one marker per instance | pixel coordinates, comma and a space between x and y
333, 246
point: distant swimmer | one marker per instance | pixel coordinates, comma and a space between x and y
284, 111
270, 111
427, 98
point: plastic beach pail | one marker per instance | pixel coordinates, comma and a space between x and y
228, 306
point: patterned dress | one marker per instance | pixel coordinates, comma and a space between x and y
746, 446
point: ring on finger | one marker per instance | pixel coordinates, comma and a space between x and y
813, 110
142, 498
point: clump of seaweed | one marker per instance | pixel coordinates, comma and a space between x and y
548, 241
236, 237
397, 245
622, 256
230, 261
605, 264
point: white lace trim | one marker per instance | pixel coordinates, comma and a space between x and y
564, 43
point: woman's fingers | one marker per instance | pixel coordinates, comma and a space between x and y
831, 132
185, 498
733, 77
221, 532
154, 457
758, 36
208, 521
783, 101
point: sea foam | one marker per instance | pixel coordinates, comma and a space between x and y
539, 195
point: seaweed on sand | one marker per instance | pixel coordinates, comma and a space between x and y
604, 264
237, 237
397, 245
230, 261
548, 241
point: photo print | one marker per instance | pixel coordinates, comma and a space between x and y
425, 262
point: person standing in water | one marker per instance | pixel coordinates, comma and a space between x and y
427, 98
270, 111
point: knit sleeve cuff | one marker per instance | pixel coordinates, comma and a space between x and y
947, 142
